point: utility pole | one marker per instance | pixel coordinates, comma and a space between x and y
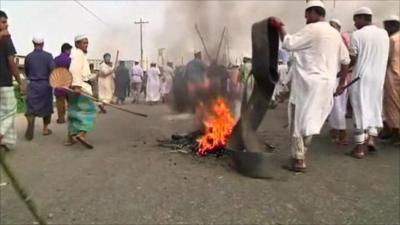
141, 22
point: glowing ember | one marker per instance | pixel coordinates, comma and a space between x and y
219, 124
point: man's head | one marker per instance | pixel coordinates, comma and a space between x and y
66, 48
136, 63
335, 23
3, 21
170, 64
121, 63
392, 24
153, 64
315, 11
362, 17
197, 55
38, 41
107, 58
82, 42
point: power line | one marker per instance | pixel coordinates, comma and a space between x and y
91, 12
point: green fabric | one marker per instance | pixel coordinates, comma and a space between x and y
20, 99
81, 114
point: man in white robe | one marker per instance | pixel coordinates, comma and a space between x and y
337, 118
318, 52
81, 109
167, 81
153, 86
106, 82
370, 51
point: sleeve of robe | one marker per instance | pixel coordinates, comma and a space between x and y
104, 69
75, 68
298, 41
51, 63
26, 66
354, 45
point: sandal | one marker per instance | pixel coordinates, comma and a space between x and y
298, 166
61, 121
357, 153
372, 149
47, 133
84, 142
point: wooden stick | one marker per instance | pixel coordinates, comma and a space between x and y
348, 85
202, 41
220, 44
116, 59
29, 203
109, 104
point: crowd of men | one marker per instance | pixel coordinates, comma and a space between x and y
330, 74
112, 84
363, 68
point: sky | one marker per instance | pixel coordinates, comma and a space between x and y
171, 23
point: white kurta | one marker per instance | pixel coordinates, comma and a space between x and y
106, 83
318, 51
166, 85
80, 71
371, 46
136, 74
153, 85
337, 118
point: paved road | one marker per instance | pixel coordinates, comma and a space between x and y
127, 179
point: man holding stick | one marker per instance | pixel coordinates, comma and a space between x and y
81, 110
106, 82
319, 52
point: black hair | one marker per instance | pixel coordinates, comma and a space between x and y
107, 54
153, 64
136, 63
365, 17
65, 47
318, 10
3, 14
392, 26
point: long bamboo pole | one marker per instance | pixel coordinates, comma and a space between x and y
108, 104
202, 41
29, 203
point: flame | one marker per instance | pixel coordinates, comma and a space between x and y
218, 127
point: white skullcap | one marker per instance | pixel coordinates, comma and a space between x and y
392, 18
363, 11
80, 37
38, 39
315, 3
337, 21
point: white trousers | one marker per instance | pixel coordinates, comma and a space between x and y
337, 119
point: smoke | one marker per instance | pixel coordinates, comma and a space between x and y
180, 38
